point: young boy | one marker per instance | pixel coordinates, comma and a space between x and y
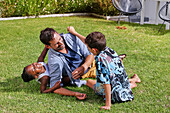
111, 79
133, 80
39, 71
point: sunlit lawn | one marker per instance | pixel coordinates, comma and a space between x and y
148, 55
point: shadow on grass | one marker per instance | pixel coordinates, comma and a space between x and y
16, 84
91, 99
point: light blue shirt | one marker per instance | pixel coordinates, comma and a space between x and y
74, 60
57, 64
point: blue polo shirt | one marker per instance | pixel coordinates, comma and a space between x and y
61, 65
73, 59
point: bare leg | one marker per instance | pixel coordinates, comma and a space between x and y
91, 83
66, 92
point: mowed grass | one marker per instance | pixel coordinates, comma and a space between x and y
148, 55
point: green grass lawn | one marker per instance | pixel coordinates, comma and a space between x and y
148, 55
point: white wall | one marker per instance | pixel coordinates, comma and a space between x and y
150, 10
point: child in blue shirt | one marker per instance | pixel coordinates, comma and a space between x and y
111, 79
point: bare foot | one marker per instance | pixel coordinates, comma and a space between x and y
137, 79
133, 85
105, 107
80, 96
122, 56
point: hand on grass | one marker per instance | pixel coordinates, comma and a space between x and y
80, 96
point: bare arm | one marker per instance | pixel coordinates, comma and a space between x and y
72, 31
62, 91
66, 92
89, 60
56, 86
107, 96
44, 81
43, 54
80, 70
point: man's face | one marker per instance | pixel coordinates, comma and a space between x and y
35, 69
57, 43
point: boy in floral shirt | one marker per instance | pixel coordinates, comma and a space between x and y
112, 81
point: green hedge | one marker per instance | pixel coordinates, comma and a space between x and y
104, 7
10, 8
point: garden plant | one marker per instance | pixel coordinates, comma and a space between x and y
13, 8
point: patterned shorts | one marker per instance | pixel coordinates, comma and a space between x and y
99, 89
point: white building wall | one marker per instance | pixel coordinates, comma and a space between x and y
150, 10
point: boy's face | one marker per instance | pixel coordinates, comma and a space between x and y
35, 69
92, 50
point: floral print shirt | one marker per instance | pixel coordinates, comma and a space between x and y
110, 70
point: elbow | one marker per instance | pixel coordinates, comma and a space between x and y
40, 59
92, 57
41, 91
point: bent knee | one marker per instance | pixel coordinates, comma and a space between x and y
91, 83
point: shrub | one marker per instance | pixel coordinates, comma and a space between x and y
27, 7
11, 8
104, 7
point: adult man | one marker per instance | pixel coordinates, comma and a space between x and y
68, 57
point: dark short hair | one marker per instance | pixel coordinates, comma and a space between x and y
96, 40
25, 76
47, 35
